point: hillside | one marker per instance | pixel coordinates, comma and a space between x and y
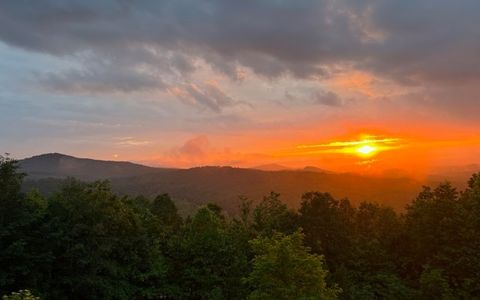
56, 165
222, 185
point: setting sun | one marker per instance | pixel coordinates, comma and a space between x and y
367, 150
365, 145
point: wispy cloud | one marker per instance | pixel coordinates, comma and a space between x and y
367, 144
131, 141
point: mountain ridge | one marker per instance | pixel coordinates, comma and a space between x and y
193, 187
58, 165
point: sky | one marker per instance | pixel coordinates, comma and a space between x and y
183, 83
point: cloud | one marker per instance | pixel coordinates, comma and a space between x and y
100, 81
193, 149
208, 95
312, 95
131, 141
199, 151
404, 38
327, 98
215, 31
425, 40
127, 46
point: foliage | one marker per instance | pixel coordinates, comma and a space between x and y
207, 265
283, 268
85, 242
272, 215
20, 295
166, 211
327, 226
442, 227
433, 285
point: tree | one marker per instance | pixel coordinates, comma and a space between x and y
433, 285
10, 180
164, 208
273, 215
442, 227
20, 242
327, 226
372, 270
467, 265
20, 295
283, 268
103, 247
207, 263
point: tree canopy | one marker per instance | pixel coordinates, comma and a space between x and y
86, 242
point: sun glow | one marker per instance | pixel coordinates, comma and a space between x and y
366, 150
365, 146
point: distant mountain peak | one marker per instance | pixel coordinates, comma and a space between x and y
58, 165
51, 155
271, 167
316, 169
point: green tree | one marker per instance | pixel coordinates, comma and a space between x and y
207, 262
442, 229
283, 268
327, 226
432, 223
166, 211
242, 226
433, 286
271, 214
467, 266
103, 247
20, 242
20, 295
371, 271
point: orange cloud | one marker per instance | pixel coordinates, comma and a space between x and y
363, 83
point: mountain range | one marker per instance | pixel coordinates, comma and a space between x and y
191, 188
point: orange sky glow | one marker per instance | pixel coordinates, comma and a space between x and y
372, 154
342, 85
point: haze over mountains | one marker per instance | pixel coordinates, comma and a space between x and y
191, 188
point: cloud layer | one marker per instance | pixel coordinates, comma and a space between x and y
436, 40
208, 66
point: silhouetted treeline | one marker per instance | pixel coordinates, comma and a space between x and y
85, 242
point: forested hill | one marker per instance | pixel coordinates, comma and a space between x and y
190, 188
224, 185
56, 165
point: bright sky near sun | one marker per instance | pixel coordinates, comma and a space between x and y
364, 86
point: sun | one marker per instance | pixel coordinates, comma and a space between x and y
364, 147
366, 150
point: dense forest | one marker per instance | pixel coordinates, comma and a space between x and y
86, 242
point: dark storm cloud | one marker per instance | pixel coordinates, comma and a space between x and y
270, 37
426, 40
421, 42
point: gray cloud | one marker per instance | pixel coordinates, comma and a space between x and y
102, 80
327, 98
414, 42
270, 37
424, 41
207, 95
